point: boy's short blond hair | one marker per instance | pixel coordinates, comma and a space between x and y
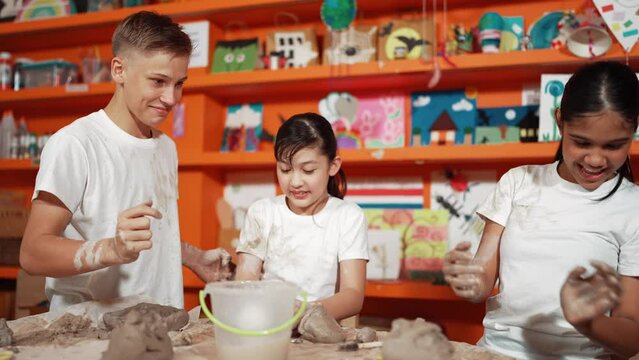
150, 31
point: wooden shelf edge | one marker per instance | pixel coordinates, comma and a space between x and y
417, 154
407, 155
175, 9
9, 165
405, 289
9, 272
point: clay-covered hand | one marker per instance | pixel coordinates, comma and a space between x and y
213, 265
133, 233
585, 298
318, 326
465, 278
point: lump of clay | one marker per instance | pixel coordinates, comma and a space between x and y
141, 337
366, 334
65, 331
416, 340
6, 335
319, 327
174, 319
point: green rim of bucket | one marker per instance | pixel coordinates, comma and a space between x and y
243, 332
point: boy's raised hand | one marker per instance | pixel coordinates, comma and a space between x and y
584, 298
133, 232
464, 277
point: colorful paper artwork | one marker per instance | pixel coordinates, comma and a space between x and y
460, 193
357, 44
443, 117
622, 20
298, 47
371, 122
403, 39
424, 236
551, 92
507, 124
243, 127
235, 55
385, 254
385, 193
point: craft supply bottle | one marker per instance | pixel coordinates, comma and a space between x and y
5, 71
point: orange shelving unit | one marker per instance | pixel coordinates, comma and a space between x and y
8, 272
203, 169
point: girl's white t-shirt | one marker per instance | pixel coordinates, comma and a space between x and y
552, 226
98, 170
305, 250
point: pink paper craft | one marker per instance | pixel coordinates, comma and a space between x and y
380, 121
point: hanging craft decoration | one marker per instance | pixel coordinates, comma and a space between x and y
622, 19
338, 14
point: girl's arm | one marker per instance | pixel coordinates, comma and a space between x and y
249, 267
585, 303
474, 278
350, 297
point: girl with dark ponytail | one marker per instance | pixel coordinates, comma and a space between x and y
309, 235
563, 238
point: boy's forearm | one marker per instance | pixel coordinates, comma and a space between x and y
346, 303
618, 334
56, 256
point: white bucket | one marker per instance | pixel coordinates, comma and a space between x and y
253, 319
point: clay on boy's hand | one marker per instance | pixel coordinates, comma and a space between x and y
213, 265
584, 298
133, 232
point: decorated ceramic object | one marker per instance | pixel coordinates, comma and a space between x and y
490, 26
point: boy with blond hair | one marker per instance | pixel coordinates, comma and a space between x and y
104, 218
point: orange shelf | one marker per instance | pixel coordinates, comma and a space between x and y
9, 165
178, 9
405, 289
399, 74
514, 152
8, 272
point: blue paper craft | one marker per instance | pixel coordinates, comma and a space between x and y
443, 117
243, 127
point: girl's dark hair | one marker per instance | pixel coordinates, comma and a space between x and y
597, 87
310, 130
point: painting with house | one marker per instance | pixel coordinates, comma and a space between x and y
443, 117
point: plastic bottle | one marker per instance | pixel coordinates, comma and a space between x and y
7, 132
6, 73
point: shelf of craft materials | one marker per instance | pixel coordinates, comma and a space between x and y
472, 69
513, 152
10, 165
72, 30
8, 272
399, 74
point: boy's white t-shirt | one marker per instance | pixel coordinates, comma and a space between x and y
303, 249
98, 170
551, 227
